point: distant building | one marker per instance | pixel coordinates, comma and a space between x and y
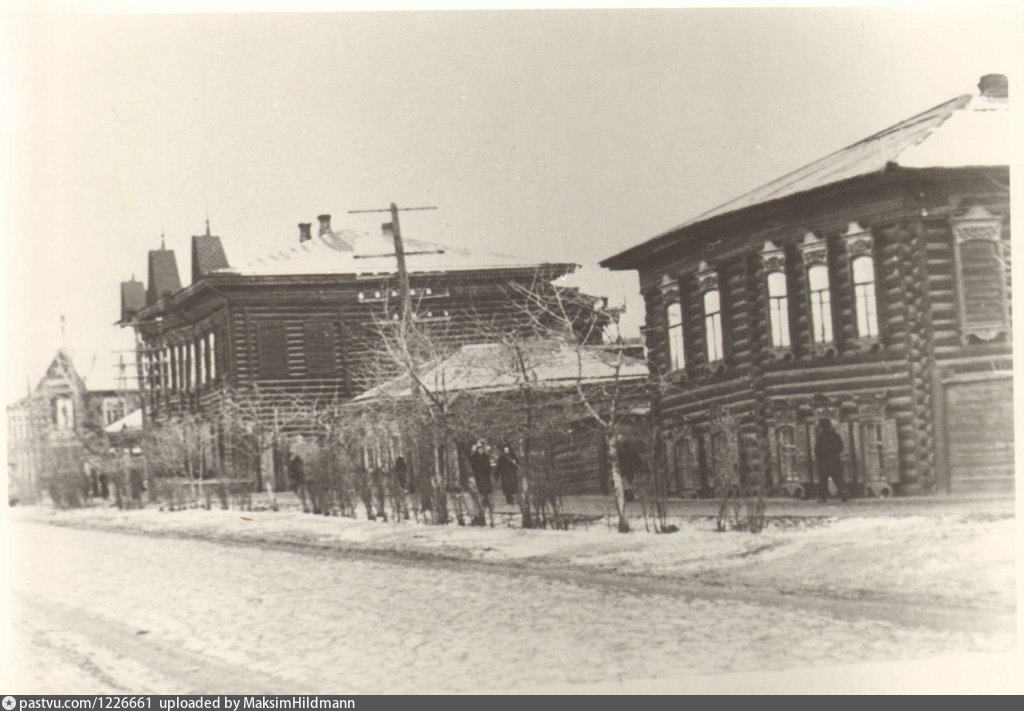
871, 287
59, 423
305, 320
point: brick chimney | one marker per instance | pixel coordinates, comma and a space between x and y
325, 224
304, 232
994, 86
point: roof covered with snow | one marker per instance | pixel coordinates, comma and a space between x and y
351, 252
968, 131
491, 367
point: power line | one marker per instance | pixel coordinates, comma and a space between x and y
400, 253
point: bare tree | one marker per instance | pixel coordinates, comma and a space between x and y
260, 422
174, 448
582, 322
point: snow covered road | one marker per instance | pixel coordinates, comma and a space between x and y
104, 612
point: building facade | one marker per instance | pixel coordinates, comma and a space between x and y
485, 388
304, 324
60, 425
871, 287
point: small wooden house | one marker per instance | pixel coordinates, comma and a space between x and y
871, 287
485, 388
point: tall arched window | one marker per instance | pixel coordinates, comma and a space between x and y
674, 329
821, 303
778, 309
213, 357
864, 297
713, 325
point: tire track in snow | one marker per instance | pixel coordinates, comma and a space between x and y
181, 670
900, 612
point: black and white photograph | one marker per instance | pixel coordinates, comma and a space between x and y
358, 350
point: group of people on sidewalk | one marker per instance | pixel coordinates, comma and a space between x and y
486, 466
502, 466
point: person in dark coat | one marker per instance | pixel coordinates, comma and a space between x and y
401, 472
480, 463
827, 448
629, 465
505, 472
297, 476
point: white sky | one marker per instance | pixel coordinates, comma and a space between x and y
565, 135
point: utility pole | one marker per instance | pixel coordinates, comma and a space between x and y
400, 254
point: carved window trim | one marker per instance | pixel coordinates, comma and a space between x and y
814, 251
979, 225
773, 261
670, 297
859, 243
713, 321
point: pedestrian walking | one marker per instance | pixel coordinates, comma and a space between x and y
297, 477
630, 465
827, 448
506, 471
401, 470
480, 464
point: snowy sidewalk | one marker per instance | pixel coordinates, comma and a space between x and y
949, 558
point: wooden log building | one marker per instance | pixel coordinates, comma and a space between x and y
303, 323
872, 287
483, 385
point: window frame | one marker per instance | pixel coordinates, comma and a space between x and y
676, 349
865, 305
707, 283
822, 325
977, 224
814, 251
773, 261
714, 339
778, 312
670, 296
859, 243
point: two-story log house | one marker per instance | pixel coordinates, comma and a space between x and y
871, 287
305, 321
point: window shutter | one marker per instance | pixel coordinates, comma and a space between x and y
982, 286
981, 273
857, 453
320, 356
846, 456
692, 462
750, 458
872, 442
273, 354
709, 461
891, 453
775, 470
803, 452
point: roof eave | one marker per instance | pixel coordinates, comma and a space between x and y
635, 255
